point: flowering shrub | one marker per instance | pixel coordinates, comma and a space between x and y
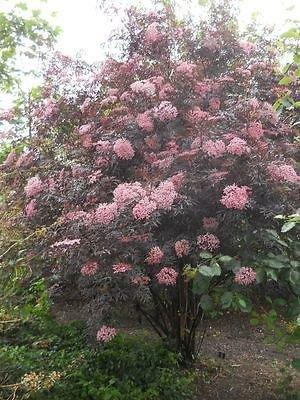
158, 150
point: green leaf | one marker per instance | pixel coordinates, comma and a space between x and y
205, 255
212, 270
200, 284
226, 299
242, 303
254, 321
206, 302
286, 80
225, 259
288, 226
296, 363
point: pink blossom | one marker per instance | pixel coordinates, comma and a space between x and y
208, 242
164, 195
197, 143
214, 149
25, 160
66, 242
238, 147
152, 34
106, 213
165, 111
167, 276
30, 209
202, 88
283, 173
49, 109
85, 106
143, 87
187, 69
247, 47
108, 101
196, 115
95, 176
34, 186
144, 208
177, 180
245, 276
255, 130
86, 129
7, 115
166, 91
123, 149
74, 215
145, 122
90, 268
140, 280
86, 141
121, 268
155, 256
126, 97
106, 334
11, 159
126, 193
214, 103
102, 161
182, 248
235, 197
102, 146
210, 223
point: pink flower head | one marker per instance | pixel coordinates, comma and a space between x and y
245, 276
126, 193
165, 111
30, 209
182, 248
208, 242
86, 129
210, 223
86, 141
238, 147
214, 149
152, 34
155, 256
11, 159
255, 130
177, 180
187, 69
283, 173
143, 87
202, 88
34, 186
141, 280
85, 106
167, 276
123, 149
121, 268
106, 213
7, 115
166, 91
145, 122
144, 208
235, 197
196, 115
106, 334
90, 268
164, 195
102, 146
214, 103
247, 47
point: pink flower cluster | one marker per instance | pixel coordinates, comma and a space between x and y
165, 111
30, 208
155, 256
185, 68
123, 149
235, 197
202, 88
106, 334
126, 193
105, 213
208, 242
146, 88
34, 186
7, 115
90, 268
86, 129
196, 115
238, 146
182, 248
164, 195
121, 268
214, 103
10, 159
145, 122
144, 208
167, 276
255, 130
283, 173
152, 34
245, 276
214, 149
210, 223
